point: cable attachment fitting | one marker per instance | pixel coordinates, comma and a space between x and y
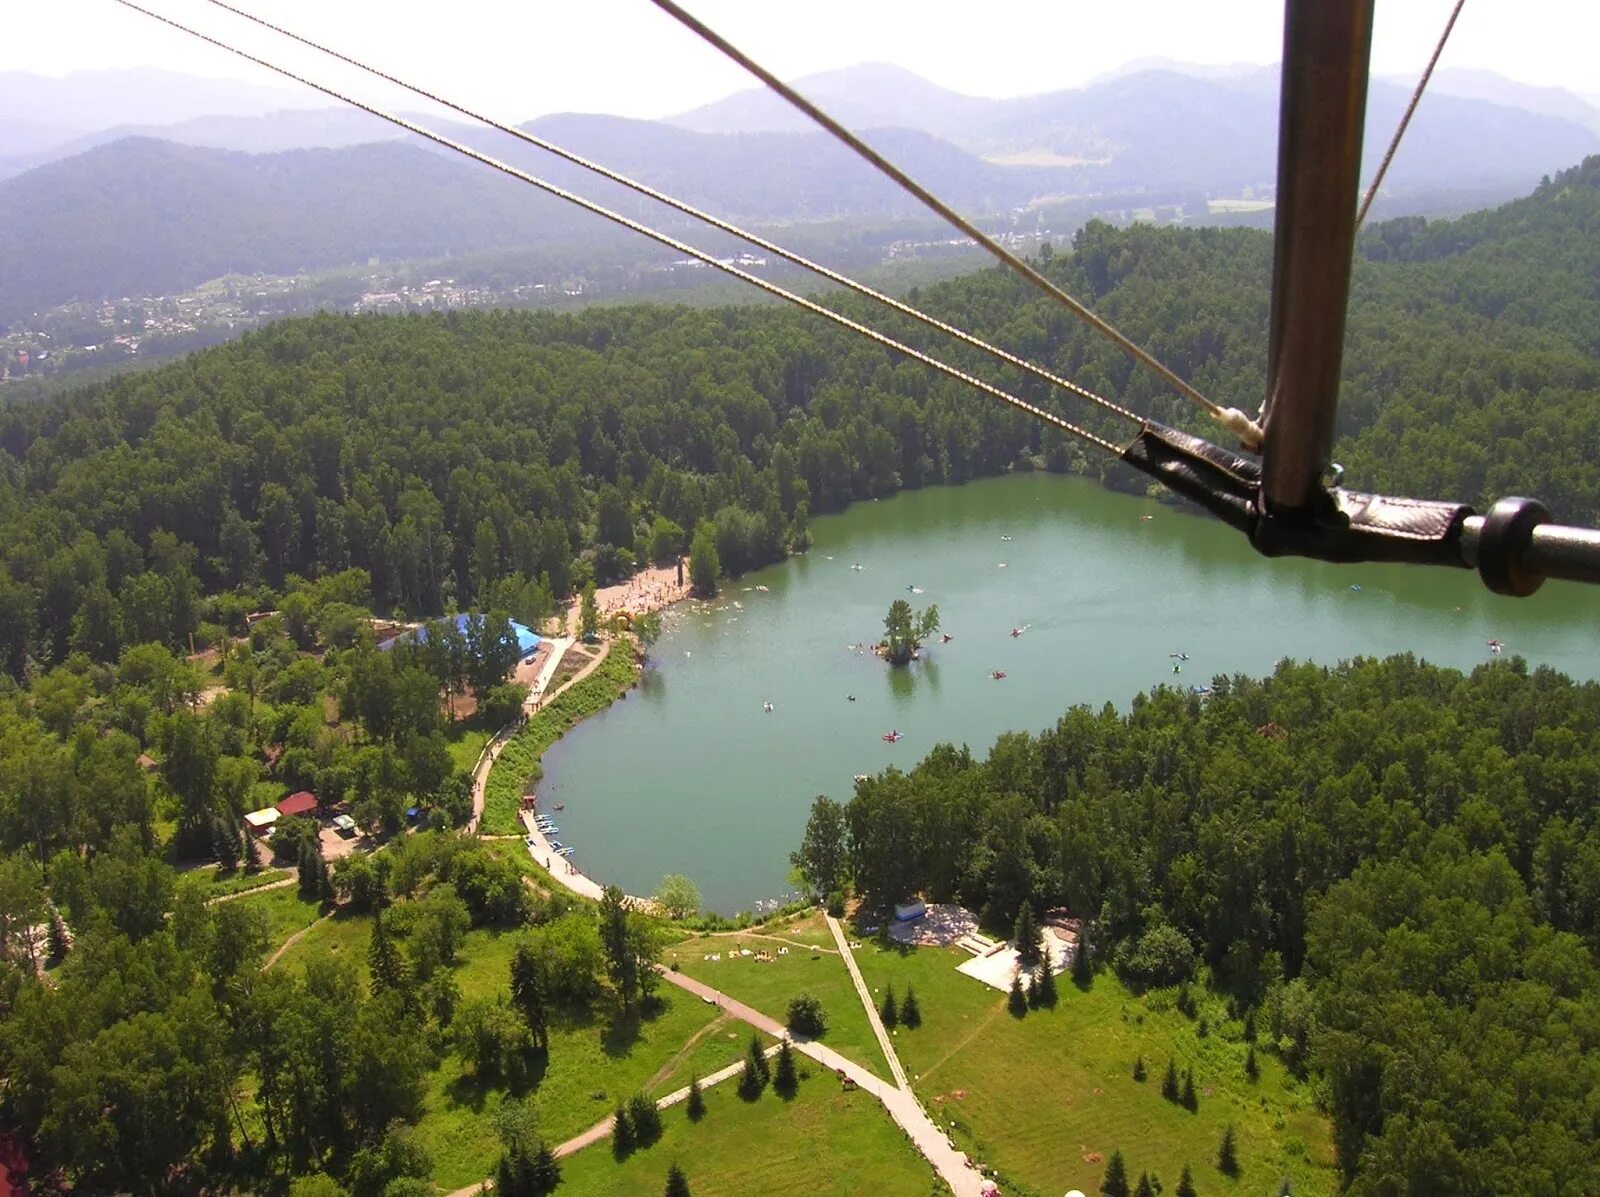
1506, 534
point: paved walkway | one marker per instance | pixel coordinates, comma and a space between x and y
901, 1104
866, 1000
491, 751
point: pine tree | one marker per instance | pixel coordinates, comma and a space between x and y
1083, 957
1169, 1082
545, 1174
760, 1058
910, 1012
889, 1012
1251, 1069
1138, 1069
58, 940
384, 962
622, 1142
1017, 1003
784, 1080
677, 1183
1027, 938
1043, 990
1116, 1182
1144, 1188
1190, 1101
754, 1077
1250, 1026
1228, 1153
1185, 1185
646, 1119
697, 1100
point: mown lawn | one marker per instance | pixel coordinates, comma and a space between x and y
343, 937
1033, 1097
770, 986
593, 1064
824, 1142
724, 1042
519, 760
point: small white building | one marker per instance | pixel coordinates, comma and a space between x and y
260, 821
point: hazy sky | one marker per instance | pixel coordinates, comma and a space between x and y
522, 58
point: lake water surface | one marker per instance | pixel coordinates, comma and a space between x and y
691, 775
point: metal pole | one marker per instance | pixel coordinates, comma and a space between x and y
1322, 110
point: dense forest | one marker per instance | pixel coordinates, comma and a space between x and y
445, 455
1398, 868
1394, 868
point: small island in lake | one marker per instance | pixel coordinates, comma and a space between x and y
905, 630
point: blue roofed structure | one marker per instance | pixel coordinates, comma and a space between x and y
527, 638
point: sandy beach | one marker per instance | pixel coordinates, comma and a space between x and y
648, 590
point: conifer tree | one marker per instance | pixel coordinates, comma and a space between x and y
622, 1140
784, 1079
1251, 1068
1144, 1188
754, 1077
1228, 1153
1083, 957
384, 962
1185, 1185
760, 1058
545, 1174
910, 1012
677, 1183
1042, 993
1190, 1101
889, 1012
1028, 938
1169, 1082
697, 1100
1017, 1002
1138, 1069
1116, 1182
646, 1119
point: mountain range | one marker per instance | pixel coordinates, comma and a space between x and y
138, 206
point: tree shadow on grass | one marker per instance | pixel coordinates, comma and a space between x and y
469, 1090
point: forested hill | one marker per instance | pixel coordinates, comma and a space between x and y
443, 454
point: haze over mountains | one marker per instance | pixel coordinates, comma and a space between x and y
184, 179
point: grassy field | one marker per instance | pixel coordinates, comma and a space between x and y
287, 912
466, 741
519, 761
723, 1041
343, 937
769, 986
236, 881
592, 1065
823, 1142
1040, 1098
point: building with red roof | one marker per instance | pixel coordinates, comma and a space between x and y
303, 803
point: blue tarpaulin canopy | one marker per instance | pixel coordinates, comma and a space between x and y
527, 638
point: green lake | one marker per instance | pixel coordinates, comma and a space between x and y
692, 775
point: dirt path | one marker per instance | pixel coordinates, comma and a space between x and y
662, 1073
294, 939
871, 1007
793, 943
281, 883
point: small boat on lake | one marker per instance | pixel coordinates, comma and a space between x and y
893, 737
997, 674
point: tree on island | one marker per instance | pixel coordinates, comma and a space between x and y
705, 566
905, 630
